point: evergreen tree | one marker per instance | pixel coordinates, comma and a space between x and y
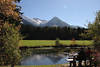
94, 30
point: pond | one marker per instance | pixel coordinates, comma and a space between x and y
46, 59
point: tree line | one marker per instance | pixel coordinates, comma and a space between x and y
51, 33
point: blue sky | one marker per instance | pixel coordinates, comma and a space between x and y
74, 12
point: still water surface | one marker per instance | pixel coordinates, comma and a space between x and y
44, 59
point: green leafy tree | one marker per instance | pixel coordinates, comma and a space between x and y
94, 30
9, 32
9, 41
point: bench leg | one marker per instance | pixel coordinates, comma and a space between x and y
74, 63
80, 64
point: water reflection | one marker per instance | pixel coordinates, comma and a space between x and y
44, 59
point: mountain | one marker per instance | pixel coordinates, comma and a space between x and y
56, 22
33, 22
28, 21
39, 21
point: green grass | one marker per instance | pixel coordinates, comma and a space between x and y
79, 42
58, 65
34, 66
52, 42
37, 42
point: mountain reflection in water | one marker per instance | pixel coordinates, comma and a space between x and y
43, 59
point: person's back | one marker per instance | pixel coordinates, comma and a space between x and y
88, 54
81, 54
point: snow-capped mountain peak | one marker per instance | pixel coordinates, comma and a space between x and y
28, 21
54, 22
39, 21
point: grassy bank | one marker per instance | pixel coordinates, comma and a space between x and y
33, 66
58, 65
52, 42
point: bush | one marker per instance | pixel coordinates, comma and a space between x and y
9, 44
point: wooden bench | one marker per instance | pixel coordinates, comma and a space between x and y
72, 62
